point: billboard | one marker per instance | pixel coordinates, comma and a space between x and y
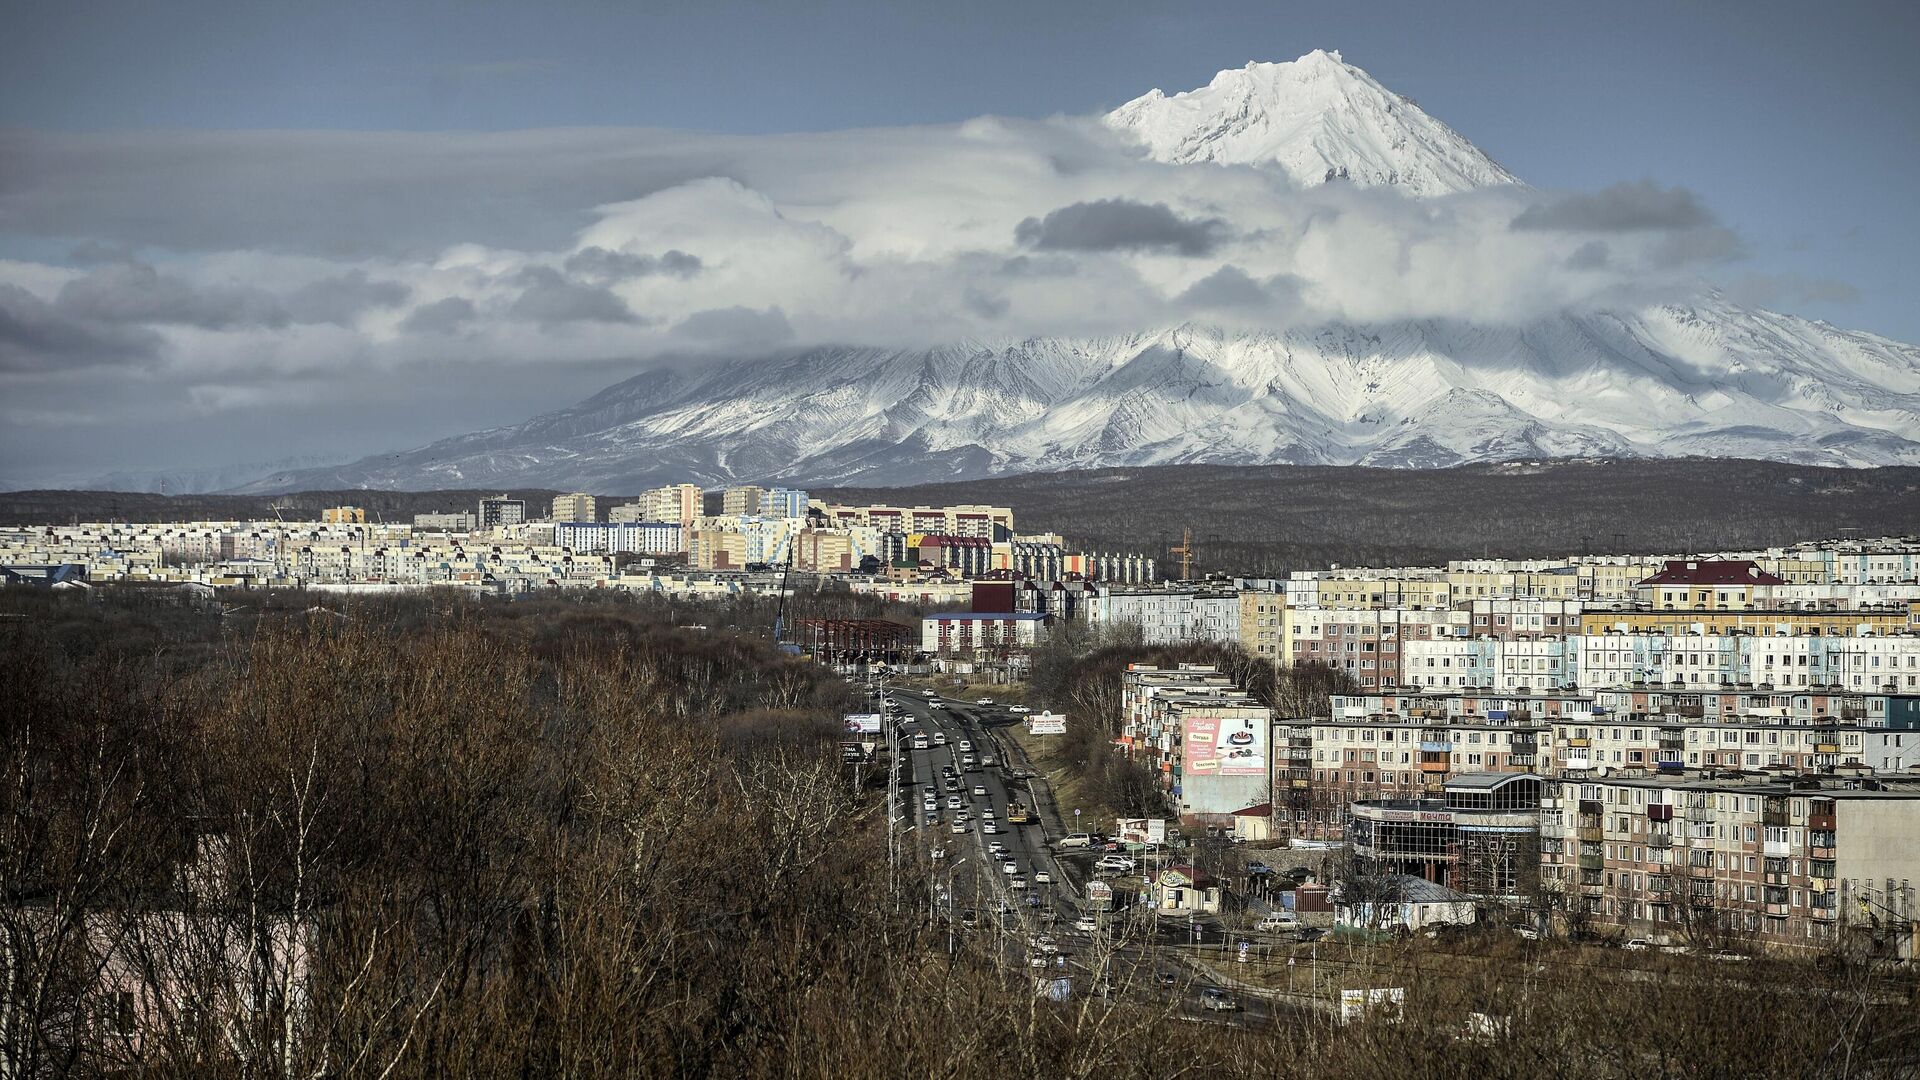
1384, 1003
1100, 894
1047, 723
1233, 746
863, 723
1141, 830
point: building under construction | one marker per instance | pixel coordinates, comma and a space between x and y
1481, 837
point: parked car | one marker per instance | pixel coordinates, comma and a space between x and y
1071, 841
1638, 944
1115, 864
1086, 924
1278, 921
1214, 999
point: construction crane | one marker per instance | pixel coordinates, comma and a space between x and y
1185, 551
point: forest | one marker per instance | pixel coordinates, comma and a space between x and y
439, 837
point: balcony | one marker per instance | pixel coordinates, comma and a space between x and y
1428, 746
1577, 763
1776, 848
1776, 909
1592, 862
1591, 833
1434, 766
1580, 743
1552, 829
1819, 853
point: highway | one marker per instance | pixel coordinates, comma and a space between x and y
1126, 953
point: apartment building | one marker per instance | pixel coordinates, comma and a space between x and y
1263, 617
677, 503
344, 515
1170, 616
500, 512
994, 523
1708, 585
1804, 863
742, 501
637, 537
980, 635
578, 506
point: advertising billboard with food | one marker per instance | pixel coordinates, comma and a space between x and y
1235, 746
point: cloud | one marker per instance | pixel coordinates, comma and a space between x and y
439, 317
35, 338
1624, 207
1592, 255
736, 327
600, 264
341, 299
550, 298
1120, 225
1227, 287
1779, 290
134, 292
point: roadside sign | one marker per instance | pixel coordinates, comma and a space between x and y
1243, 952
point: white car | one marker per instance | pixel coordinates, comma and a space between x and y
983, 701
1115, 864
1043, 944
1638, 944
1010, 867
1018, 882
979, 791
1038, 960
996, 848
953, 802
987, 826
966, 746
1041, 877
1278, 921
1018, 709
1086, 924
1075, 840
960, 826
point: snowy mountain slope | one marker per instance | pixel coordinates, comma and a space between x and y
1317, 118
1706, 378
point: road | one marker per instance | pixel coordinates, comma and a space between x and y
1125, 951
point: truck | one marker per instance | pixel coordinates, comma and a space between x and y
1017, 813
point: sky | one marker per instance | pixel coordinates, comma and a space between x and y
244, 232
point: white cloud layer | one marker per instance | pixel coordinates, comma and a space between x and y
233, 271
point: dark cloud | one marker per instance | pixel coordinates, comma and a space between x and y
439, 317
986, 305
1624, 207
551, 298
1592, 255
341, 299
600, 264
1120, 225
1712, 244
1227, 287
133, 292
35, 337
740, 327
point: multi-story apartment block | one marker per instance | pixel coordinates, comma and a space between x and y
742, 501
642, 537
344, 515
980, 635
1170, 616
1708, 585
578, 506
993, 523
782, 503
678, 503
626, 512
1263, 624
1802, 863
500, 512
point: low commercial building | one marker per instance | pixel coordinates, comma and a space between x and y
1481, 837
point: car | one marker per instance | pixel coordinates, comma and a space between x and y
1072, 841
1115, 864
937, 854
967, 764
938, 705
940, 738
920, 742
1038, 960
933, 818
953, 802
1214, 999
1728, 955
1018, 882
928, 693
1638, 944
959, 826
987, 761
987, 826
1310, 933
983, 701
1010, 867
996, 848
969, 917
1086, 924
1527, 933
1041, 877
979, 791
953, 783
1043, 943
1018, 709
1278, 921
966, 746
1001, 907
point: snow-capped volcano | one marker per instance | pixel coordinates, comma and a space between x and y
1706, 377
1319, 119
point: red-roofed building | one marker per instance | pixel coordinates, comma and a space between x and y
1708, 585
